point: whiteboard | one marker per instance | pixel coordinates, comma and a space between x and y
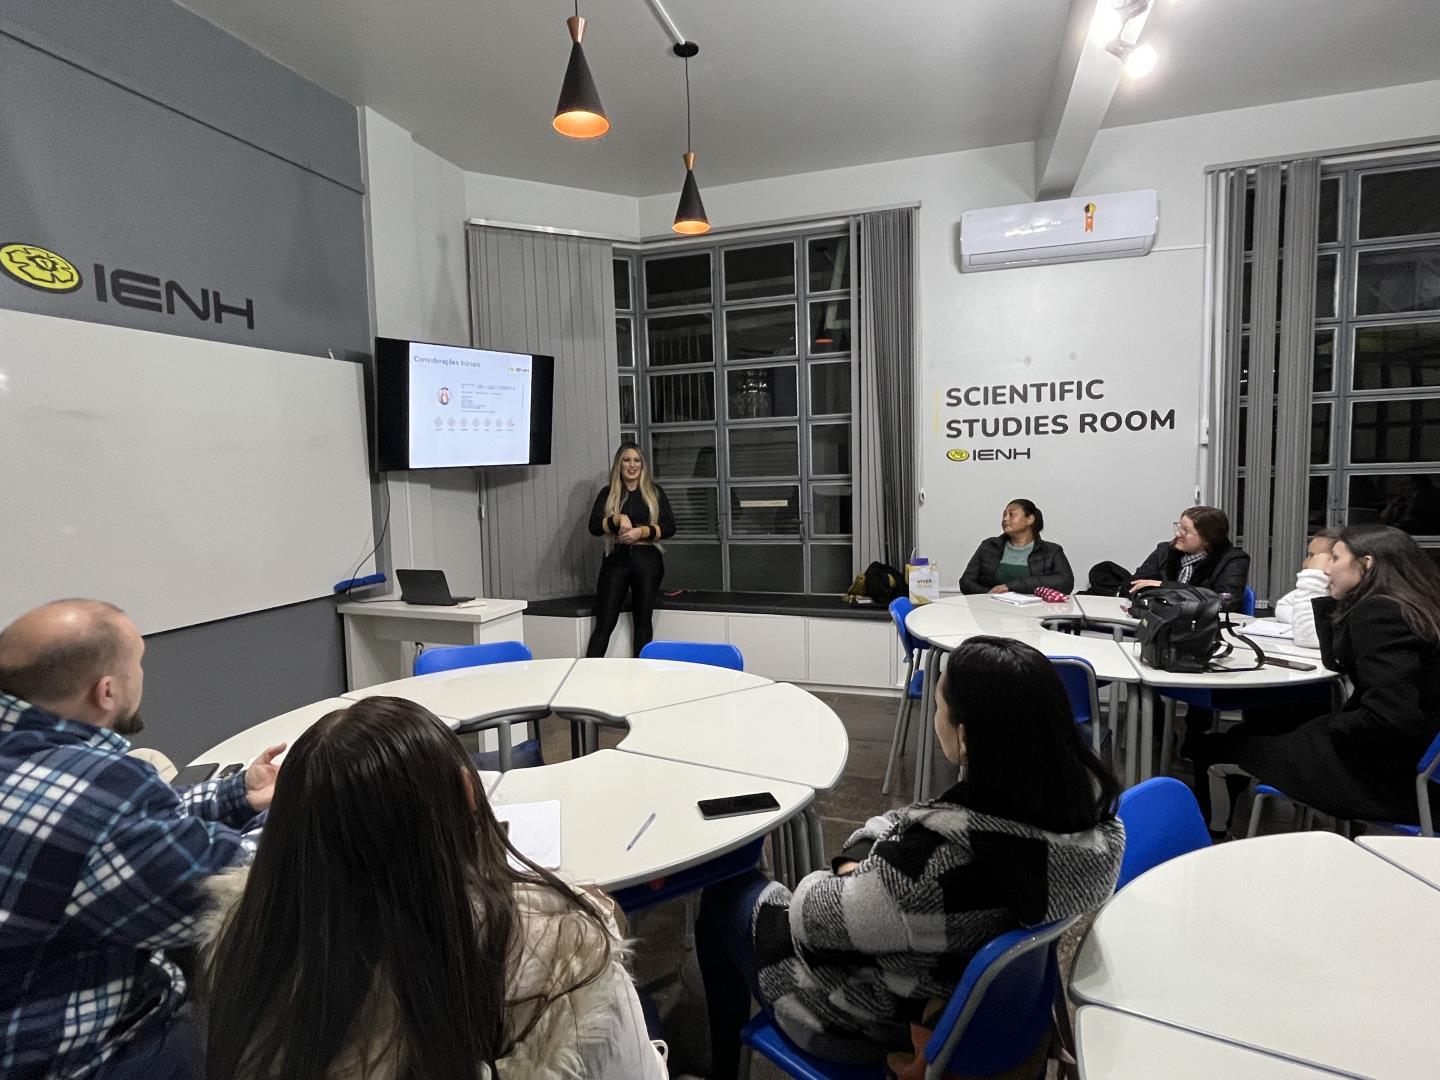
181, 479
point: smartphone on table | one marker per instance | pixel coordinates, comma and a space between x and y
760, 802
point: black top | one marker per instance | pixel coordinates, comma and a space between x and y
1360, 762
1224, 569
1048, 568
635, 509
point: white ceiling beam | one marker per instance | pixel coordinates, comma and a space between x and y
1080, 95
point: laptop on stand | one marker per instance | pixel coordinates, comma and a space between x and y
427, 587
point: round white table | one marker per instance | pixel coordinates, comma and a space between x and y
943, 625
696, 732
1418, 855
1112, 1045
1305, 946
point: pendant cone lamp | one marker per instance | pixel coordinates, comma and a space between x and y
690, 219
579, 113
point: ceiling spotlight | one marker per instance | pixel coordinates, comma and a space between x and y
690, 219
579, 113
1111, 17
1140, 61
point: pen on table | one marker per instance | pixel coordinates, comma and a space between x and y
636, 838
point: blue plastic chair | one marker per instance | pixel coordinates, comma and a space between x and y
995, 1020
525, 755
914, 685
1162, 820
714, 653
1083, 688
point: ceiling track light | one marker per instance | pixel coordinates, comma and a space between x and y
690, 219
1112, 17
1139, 60
579, 114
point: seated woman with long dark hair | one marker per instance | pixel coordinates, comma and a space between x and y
389, 929
852, 957
1379, 626
1018, 560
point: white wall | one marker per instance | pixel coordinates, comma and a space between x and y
1136, 323
415, 203
523, 202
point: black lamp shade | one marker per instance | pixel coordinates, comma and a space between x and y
579, 113
690, 216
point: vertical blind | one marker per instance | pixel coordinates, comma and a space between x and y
545, 293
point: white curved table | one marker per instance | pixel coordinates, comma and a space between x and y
1305, 946
1418, 855
696, 732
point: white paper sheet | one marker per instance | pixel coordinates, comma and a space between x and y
534, 830
1267, 628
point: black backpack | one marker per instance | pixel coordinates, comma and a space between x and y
1180, 629
879, 583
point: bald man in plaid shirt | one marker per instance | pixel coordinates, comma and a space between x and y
101, 861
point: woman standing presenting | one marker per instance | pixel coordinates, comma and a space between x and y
633, 515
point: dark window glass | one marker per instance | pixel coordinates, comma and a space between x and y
767, 568
829, 264
1397, 356
696, 567
755, 393
1328, 231
696, 511
682, 398
625, 341
1325, 286
765, 511
677, 280
687, 454
829, 389
753, 272
1409, 501
829, 326
1399, 431
1318, 508
680, 339
627, 400
1250, 215
764, 451
831, 509
760, 333
1324, 374
622, 284
1320, 414
829, 449
1240, 508
1242, 432
1400, 203
1396, 281
831, 568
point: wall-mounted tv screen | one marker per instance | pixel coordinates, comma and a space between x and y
447, 407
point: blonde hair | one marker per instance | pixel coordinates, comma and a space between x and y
616, 499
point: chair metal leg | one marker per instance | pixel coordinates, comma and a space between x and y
897, 737
926, 737
1257, 809
1133, 710
1167, 737
502, 734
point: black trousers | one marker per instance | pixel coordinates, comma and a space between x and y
634, 568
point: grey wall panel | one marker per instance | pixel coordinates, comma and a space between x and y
533, 292
205, 683
101, 175
142, 137
163, 51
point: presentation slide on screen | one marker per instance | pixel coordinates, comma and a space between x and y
468, 407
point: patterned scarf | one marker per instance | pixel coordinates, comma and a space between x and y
1187, 566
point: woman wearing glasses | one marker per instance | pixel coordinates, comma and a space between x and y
1201, 554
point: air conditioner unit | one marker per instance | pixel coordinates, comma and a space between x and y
1115, 226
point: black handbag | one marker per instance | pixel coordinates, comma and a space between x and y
1180, 629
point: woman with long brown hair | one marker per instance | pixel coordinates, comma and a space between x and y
633, 515
388, 929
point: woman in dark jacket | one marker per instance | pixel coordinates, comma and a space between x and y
1018, 560
1201, 555
1379, 627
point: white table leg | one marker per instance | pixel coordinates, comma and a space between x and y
1132, 734
1147, 732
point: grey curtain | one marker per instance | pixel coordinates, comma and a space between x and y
1279, 342
546, 293
885, 414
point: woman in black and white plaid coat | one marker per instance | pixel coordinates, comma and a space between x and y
849, 960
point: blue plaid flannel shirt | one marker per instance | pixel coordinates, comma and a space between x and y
101, 864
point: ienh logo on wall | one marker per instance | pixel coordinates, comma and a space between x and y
49, 271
